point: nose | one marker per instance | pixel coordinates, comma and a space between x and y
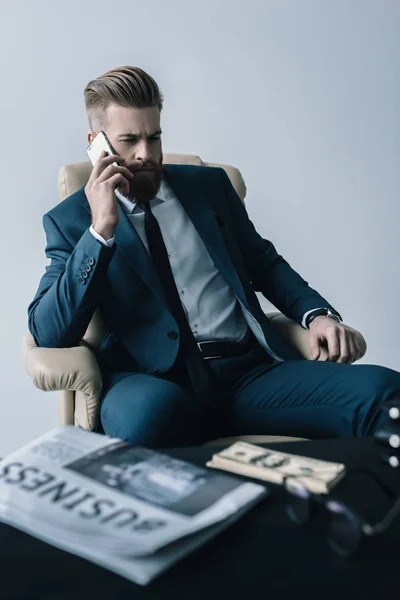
143, 153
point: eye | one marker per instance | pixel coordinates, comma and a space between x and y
154, 138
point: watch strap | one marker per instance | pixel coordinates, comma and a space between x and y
318, 312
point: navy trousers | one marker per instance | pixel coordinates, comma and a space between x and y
297, 398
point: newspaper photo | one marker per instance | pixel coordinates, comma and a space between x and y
130, 509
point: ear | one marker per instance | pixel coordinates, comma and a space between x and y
90, 136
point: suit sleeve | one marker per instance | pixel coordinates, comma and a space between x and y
69, 290
268, 271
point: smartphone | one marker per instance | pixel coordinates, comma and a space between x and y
98, 145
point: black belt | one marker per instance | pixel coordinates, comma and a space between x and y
222, 349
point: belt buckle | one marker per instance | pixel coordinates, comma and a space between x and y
199, 344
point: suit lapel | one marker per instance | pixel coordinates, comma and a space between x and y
128, 242
205, 221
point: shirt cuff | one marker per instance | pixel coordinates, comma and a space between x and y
303, 322
100, 239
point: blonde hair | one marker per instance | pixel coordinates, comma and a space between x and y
124, 86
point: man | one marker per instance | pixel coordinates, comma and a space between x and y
169, 256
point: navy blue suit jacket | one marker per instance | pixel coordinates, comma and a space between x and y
121, 281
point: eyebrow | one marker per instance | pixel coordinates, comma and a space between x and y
135, 136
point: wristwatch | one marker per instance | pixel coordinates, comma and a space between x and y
322, 312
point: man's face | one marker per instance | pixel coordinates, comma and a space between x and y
135, 134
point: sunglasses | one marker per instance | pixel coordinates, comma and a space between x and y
346, 529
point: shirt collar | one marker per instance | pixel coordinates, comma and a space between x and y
132, 208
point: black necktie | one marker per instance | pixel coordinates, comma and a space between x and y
202, 381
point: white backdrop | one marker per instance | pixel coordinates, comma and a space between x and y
301, 95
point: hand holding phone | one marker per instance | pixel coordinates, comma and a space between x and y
108, 173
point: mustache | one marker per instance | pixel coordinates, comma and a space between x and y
144, 166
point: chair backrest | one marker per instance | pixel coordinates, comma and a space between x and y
74, 176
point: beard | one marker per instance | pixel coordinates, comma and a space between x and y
146, 181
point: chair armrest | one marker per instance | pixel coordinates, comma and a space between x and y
295, 334
54, 369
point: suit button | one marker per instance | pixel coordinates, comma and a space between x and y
81, 281
154, 371
88, 268
91, 261
84, 274
172, 335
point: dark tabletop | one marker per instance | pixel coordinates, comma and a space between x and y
262, 555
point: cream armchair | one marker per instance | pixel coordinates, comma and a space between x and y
74, 372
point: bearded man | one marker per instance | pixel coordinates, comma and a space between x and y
169, 256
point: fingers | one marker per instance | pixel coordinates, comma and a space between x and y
356, 346
103, 162
360, 344
118, 180
111, 170
345, 355
343, 347
344, 344
363, 344
314, 346
333, 343
353, 350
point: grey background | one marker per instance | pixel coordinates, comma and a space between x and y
301, 95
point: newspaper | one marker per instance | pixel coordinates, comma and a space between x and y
129, 509
319, 476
